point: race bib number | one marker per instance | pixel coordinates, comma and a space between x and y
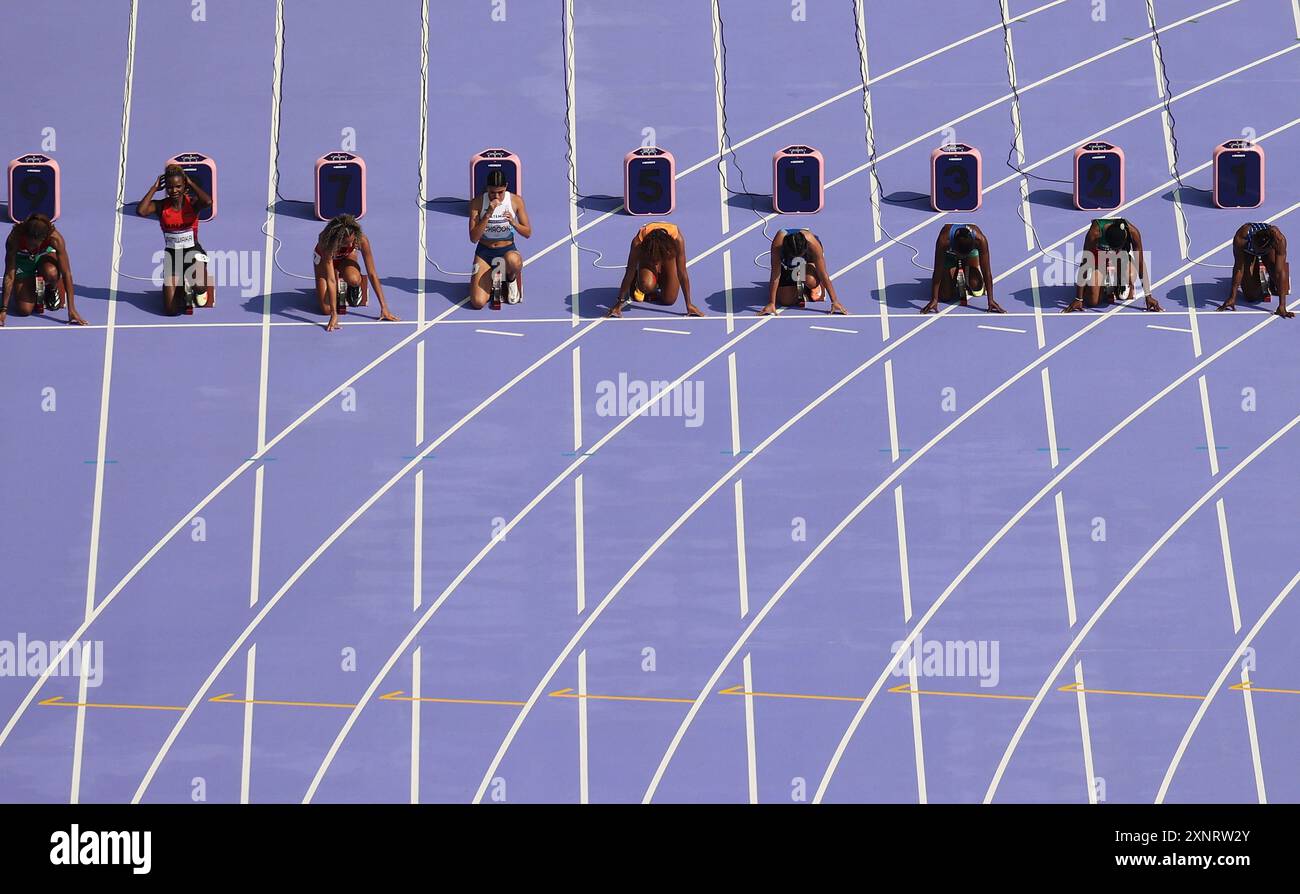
182, 239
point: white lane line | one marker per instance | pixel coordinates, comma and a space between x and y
833, 329
263, 380
1229, 575
1168, 328
1018, 141
1038, 308
580, 541
1190, 291
1066, 569
106, 384
890, 409
665, 331
417, 567
246, 760
1248, 701
80, 732
1236, 656
1211, 445
884, 304
584, 790
918, 746
577, 398
498, 332
751, 747
904, 572
732, 389
1072, 648
1000, 328
417, 693
1051, 418
1089, 771
1295, 13
742, 562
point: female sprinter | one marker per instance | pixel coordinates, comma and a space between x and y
1259, 266
35, 248
656, 269
334, 259
1113, 243
797, 250
185, 267
961, 267
494, 218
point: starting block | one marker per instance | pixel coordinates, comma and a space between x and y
1238, 175
34, 187
956, 178
1098, 177
649, 181
203, 171
490, 160
340, 185
798, 180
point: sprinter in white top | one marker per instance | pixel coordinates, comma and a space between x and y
494, 218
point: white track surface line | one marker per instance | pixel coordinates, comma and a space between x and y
1114, 594
106, 384
1248, 701
1219, 681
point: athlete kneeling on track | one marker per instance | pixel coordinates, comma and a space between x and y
656, 269
961, 267
1260, 267
494, 218
185, 267
35, 250
799, 272
1110, 247
335, 261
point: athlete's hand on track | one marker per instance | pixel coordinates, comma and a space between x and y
1230, 304
1153, 304
837, 308
388, 315
74, 319
1073, 307
930, 308
693, 311
1283, 312
995, 308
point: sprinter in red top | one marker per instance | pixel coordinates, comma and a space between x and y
36, 255
185, 268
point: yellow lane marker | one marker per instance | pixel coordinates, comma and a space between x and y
1074, 687
569, 693
228, 698
906, 689
400, 696
1251, 687
58, 702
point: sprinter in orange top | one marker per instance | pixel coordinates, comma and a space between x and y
656, 269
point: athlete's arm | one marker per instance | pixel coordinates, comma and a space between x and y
1238, 271
65, 275
373, 274
11, 266
478, 218
1284, 275
629, 275
1143, 273
940, 246
521, 223
824, 275
201, 198
325, 271
685, 278
146, 206
986, 270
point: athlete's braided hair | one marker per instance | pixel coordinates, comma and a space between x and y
37, 225
657, 247
337, 231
